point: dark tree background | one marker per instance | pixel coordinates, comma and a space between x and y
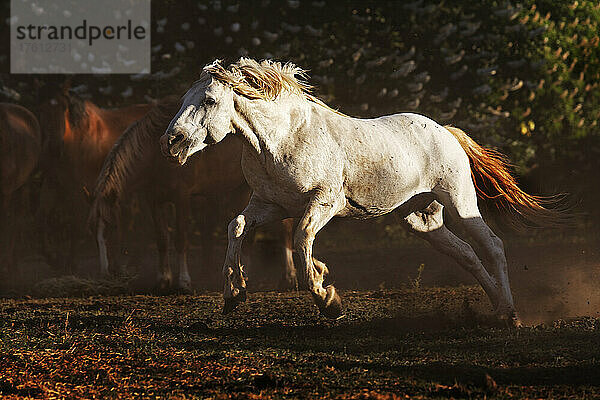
521, 77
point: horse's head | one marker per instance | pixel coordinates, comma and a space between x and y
205, 118
60, 111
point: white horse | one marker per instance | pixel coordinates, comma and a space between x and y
305, 160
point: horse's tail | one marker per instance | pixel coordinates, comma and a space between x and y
492, 170
128, 158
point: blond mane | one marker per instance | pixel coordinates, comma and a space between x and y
264, 80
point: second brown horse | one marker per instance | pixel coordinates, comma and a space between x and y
136, 164
77, 137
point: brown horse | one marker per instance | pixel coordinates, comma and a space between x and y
136, 163
20, 144
77, 137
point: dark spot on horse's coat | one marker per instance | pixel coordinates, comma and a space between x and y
354, 204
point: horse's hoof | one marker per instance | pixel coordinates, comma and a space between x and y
185, 290
231, 303
184, 287
332, 306
163, 287
511, 320
514, 322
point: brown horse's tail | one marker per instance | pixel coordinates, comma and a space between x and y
491, 170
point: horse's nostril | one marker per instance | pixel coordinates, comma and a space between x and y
175, 139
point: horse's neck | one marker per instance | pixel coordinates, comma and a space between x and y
266, 124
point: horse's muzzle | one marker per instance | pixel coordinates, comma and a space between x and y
175, 145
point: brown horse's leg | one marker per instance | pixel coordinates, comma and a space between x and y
18, 209
101, 236
114, 237
290, 280
5, 224
72, 245
161, 226
45, 218
181, 241
132, 249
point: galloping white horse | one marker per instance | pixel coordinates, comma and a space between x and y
305, 160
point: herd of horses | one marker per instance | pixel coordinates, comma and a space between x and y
99, 158
253, 131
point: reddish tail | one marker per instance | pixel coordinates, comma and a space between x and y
493, 169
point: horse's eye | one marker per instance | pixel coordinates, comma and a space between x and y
209, 101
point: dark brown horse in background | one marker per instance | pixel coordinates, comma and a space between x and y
136, 164
77, 137
20, 145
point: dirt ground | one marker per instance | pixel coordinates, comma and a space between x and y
425, 343
427, 334
553, 276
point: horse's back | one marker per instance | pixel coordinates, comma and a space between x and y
22, 122
20, 145
392, 158
420, 139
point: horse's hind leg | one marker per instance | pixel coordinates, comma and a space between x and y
461, 204
161, 227
428, 224
290, 279
493, 249
182, 242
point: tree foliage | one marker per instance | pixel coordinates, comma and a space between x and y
521, 77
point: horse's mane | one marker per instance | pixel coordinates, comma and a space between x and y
129, 157
264, 80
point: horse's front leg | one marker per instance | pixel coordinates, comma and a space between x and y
320, 210
256, 213
161, 228
182, 241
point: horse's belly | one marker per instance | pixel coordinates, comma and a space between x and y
377, 188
